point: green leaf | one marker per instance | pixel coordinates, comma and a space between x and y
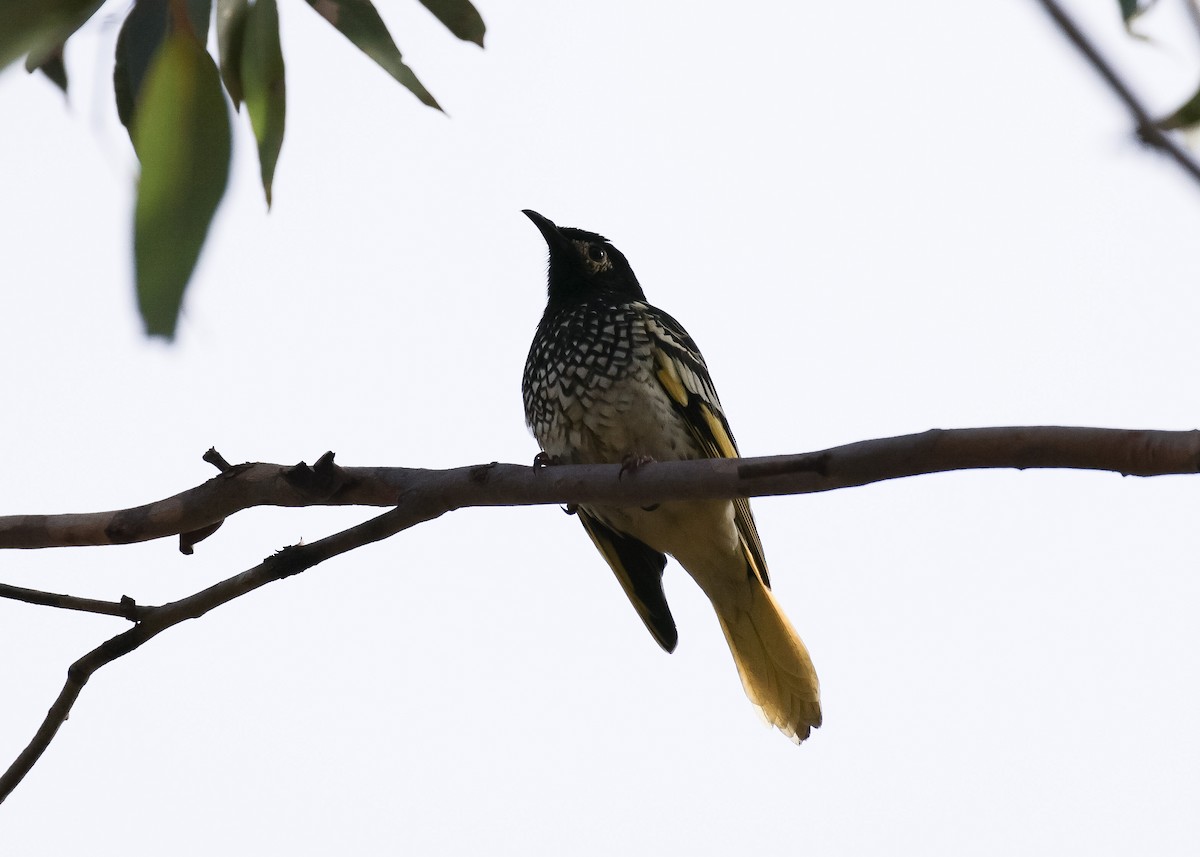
181, 135
138, 43
51, 65
199, 14
231, 27
1130, 10
141, 36
358, 21
459, 17
37, 27
262, 78
1187, 116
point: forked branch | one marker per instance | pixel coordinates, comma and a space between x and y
421, 495
1129, 452
1147, 129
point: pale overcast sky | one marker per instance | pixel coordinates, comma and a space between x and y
875, 218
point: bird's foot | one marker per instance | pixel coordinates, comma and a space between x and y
545, 459
632, 463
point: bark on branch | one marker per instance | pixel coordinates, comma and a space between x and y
421, 495
154, 620
1129, 452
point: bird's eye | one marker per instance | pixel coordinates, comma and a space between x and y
596, 253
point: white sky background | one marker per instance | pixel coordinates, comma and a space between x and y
875, 219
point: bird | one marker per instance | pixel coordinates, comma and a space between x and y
612, 379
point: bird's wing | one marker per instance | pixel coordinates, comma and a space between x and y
639, 568
683, 374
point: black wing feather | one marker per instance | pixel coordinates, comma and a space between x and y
684, 375
639, 568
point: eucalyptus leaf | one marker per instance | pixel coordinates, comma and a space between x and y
264, 86
138, 42
1130, 10
50, 64
359, 22
1187, 116
141, 36
181, 135
459, 17
199, 16
38, 28
231, 28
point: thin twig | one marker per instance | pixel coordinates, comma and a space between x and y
125, 608
217, 460
287, 562
1147, 130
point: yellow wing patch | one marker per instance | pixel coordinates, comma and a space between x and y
668, 376
716, 428
751, 544
707, 427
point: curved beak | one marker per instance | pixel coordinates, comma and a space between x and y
554, 239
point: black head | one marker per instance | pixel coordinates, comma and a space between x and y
584, 265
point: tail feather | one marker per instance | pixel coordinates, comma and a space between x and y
771, 659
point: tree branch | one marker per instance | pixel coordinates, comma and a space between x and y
1147, 130
421, 495
1129, 452
125, 608
155, 620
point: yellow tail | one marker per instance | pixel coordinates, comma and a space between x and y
776, 671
